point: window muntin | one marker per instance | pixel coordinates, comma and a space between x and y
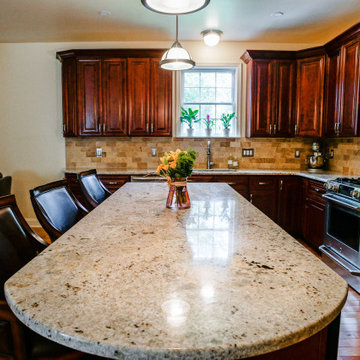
213, 92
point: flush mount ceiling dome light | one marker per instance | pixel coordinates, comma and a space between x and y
175, 7
176, 58
211, 37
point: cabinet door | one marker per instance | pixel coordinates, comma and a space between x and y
349, 89
114, 97
266, 202
260, 98
89, 96
69, 97
289, 209
283, 125
138, 96
310, 96
314, 223
161, 100
332, 99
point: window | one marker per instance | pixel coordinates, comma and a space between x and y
212, 91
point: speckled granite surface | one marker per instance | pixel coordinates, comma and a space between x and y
134, 280
319, 176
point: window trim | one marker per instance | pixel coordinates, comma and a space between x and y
236, 70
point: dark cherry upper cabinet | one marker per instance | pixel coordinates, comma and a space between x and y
285, 75
270, 93
114, 97
161, 100
139, 96
69, 98
332, 87
348, 108
343, 78
89, 96
115, 92
310, 96
260, 92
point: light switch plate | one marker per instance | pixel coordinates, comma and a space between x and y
297, 153
153, 152
99, 152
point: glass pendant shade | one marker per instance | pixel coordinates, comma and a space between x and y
175, 7
176, 58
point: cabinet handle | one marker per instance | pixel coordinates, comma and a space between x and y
147, 127
152, 128
113, 182
263, 183
296, 129
274, 129
251, 198
270, 129
104, 127
64, 128
281, 184
316, 189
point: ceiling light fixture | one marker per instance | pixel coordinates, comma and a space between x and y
104, 13
176, 58
175, 7
211, 37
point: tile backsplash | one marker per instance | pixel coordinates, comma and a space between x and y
346, 156
135, 152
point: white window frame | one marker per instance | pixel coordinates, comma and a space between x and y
235, 131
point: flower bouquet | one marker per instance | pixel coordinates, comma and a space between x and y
177, 166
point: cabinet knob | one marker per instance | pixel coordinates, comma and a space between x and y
251, 198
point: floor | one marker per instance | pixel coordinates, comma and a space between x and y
349, 342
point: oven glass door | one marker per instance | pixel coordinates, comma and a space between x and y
342, 229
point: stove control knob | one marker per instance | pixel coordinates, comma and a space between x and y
355, 193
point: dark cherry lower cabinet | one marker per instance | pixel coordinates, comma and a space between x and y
289, 198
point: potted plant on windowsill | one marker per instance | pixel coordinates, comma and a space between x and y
189, 117
226, 120
209, 123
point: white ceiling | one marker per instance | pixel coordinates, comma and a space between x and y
305, 21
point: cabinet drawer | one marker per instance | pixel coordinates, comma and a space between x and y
232, 179
315, 191
201, 178
262, 183
114, 182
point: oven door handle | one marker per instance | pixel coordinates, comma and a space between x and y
341, 202
353, 270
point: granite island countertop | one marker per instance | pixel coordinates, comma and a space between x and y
136, 280
322, 176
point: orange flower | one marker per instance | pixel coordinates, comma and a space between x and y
166, 167
173, 165
159, 168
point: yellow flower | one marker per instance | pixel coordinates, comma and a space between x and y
173, 165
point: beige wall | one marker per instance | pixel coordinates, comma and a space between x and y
32, 148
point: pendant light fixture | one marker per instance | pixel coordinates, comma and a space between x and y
176, 58
175, 7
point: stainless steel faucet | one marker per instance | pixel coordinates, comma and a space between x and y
209, 163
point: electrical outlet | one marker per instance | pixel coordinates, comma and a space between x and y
99, 152
331, 153
153, 152
248, 152
297, 153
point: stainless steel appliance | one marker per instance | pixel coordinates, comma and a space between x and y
317, 160
341, 247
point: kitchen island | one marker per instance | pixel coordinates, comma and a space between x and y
134, 280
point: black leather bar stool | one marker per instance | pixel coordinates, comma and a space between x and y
56, 207
18, 245
92, 188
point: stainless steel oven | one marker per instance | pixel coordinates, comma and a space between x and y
341, 247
